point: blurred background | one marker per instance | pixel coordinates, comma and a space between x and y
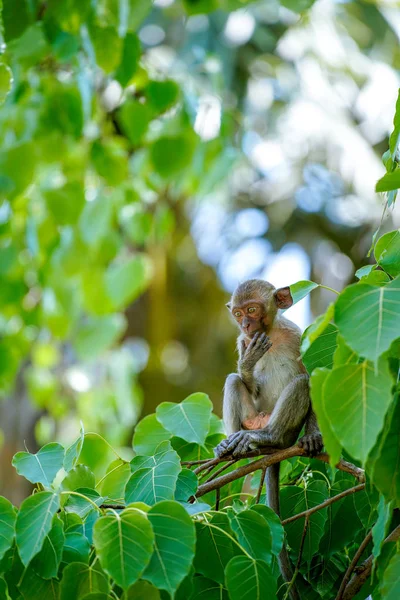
154, 154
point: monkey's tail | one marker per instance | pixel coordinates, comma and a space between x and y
273, 502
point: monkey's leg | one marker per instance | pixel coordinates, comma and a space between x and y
284, 425
238, 407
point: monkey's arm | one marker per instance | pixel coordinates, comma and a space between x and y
248, 358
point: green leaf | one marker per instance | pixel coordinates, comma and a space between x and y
78, 477
253, 533
390, 181
142, 590
82, 506
66, 203
127, 280
8, 516
33, 587
381, 527
318, 389
80, 579
206, 589
76, 548
377, 278
134, 119
387, 252
390, 586
115, 480
70, 14
366, 504
297, 6
301, 289
95, 220
343, 354
4, 595
98, 334
47, 561
384, 461
130, 59
41, 467
365, 270
34, 522
394, 137
109, 158
124, 544
186, 485
16, 18
107, 46
162, 94
320, 353
214, 548
294, 500
189, 420
275, 526
73, 451
365, 395
172, 154
6, 80
368, 317
154, 478
13, 179
149, 433
248, 579
174, 545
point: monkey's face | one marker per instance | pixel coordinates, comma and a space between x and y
251, 317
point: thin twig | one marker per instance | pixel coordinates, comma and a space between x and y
220, 470
260, 487
364, 571
217, 499
298, 563
310, 511
209, 463
191, 463
353, 565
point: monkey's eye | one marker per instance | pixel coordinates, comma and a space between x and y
237, 313
251, 309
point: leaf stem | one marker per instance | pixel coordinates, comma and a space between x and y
329, 288
84, 497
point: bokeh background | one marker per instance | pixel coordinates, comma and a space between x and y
131, 208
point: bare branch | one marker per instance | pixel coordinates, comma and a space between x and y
310, 511
353, 565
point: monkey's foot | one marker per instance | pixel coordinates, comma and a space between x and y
241, 442
312, 443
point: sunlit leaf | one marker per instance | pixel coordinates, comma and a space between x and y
41, 467
368, 317
149, 433
162, 94
73, 451
365, 395
125, 281
47, 561
301, 289
387, 252
134, 119
189, 420
5, 82
172, 154
318, 390
98, 335
78, 477
390, 181
34, 522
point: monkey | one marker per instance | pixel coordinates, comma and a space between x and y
267, 402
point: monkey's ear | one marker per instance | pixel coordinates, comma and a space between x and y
283, 297
228, 305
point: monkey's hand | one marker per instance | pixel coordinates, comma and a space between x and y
312, 443
259, 345
239, 443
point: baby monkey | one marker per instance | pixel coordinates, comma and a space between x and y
267, 402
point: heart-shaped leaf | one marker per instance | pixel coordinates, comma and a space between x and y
253, 533
149, 433
355, 400
274, 524
368, 317
214, 548
41, 467
249, 579
8, 515
124, 543
387, 252
301, 289
73, 451
34, 522
76, 548
78, 477
174, 546
47, 561
189, 420
79, 579
154, 477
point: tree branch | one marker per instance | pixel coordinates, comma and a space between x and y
271, 457
364, 571
310, 511
353, 565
